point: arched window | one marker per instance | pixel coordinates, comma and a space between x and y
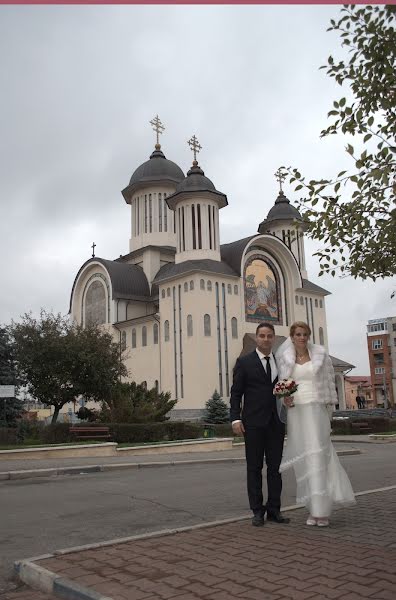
144, 335
209, 286
229, 289
316, 303
321, 336
186, 286
189, 325
156, 385
134, 338
155, 333
166, 331
168, 292
207, 332
234, 328
95, 304
296, 299
191, 285
123, 341
301, 300
320, 304
202, 284
236, 290
163, 293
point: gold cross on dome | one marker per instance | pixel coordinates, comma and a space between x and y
280, 176
195, 146
157, 126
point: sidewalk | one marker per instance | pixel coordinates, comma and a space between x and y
351, 560
18, 469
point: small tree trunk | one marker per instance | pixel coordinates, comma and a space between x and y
55, 415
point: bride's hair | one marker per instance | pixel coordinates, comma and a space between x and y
301, 324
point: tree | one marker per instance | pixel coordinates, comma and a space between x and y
354, 214
11, 409
216, 410
134, 403
59, 361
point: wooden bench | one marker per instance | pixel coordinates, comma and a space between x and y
90, 433
361, 427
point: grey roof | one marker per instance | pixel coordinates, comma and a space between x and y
195, 182
281, 211
189, 266
249, 344
308, 286
127, 281
156, 169
341, 364
171, 250
232, 253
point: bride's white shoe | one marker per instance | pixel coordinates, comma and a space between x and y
311, 521
322, 522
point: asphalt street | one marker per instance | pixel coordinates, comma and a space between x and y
44, 514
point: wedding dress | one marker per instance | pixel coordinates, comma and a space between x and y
321, 480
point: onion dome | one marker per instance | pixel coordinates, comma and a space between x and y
158, 169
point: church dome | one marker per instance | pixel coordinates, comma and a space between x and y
281, 211
195, 182
157, 169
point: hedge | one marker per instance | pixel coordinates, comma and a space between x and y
8, 436
134, 433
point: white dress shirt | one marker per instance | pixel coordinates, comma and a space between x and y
274, 370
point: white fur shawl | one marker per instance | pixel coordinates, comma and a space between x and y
323, 372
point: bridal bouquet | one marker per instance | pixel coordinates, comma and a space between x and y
285, 387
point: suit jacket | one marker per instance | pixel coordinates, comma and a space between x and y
251, 382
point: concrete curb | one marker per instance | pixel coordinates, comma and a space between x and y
50, 583
83, 469
47, 581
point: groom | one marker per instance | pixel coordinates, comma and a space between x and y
255, 375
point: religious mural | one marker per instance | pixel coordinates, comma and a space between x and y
261, 292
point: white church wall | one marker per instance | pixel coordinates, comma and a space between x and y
143, 361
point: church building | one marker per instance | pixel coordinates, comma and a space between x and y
184, 306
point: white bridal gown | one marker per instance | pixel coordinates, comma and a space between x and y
321, 480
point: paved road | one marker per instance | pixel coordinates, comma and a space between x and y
44, 514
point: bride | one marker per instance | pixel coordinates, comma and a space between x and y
321, 480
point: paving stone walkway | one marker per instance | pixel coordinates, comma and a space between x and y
353, 559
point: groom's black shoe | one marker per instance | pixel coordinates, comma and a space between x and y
277, 517
258, 519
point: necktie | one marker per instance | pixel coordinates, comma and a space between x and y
268, 367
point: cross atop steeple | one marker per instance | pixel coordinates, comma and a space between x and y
158, 128
93, 249
195, 147
280, 176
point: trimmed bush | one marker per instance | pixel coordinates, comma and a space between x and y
8, 436
136, 433
344, 426
57, 433
223, 429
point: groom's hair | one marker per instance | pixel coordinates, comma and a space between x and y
264, 324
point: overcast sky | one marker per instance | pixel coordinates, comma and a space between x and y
78, 86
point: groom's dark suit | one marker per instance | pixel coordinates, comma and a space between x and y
264, 432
